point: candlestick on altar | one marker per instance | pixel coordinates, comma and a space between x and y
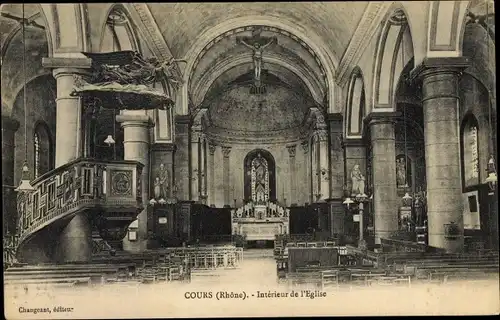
234, 203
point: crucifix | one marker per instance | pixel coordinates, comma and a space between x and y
257, 44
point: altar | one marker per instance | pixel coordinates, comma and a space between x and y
260, 217
262, 221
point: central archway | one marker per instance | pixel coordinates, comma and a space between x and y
260, 176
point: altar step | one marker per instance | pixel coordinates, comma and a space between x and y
257, 253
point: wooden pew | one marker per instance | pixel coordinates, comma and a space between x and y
51, 281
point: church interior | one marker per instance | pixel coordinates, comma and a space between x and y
152, 140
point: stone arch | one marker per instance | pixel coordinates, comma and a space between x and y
130, 28
395, 48
67, 37
443, 41
219, 69
40, 44
312, 40
356, 104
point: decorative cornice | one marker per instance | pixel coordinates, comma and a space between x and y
80, 63
378, 117
330, 117
437, 64
222, 136
182, 119
138, 119
163, 147
353, 143
149, 29
368, 25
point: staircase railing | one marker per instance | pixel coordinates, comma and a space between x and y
78, 185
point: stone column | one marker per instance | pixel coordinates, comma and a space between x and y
225, 173
337, 167
136, 130
181, 157
69, 115
203, 169
324, 167
385, 197
9, 128
442, 149
75, 240
195, 165
336, 156
307, 173
291, 163
211, 174
314, 168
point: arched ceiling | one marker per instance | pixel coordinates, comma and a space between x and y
12, 49
184, 25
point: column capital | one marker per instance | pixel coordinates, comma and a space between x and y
226, 151
291, 150
322, 134
305, 146
211, 148
134, 120
196, 135
353, 143
182, 119
439, 65
9, 124
66, 63
381, 117
163, 147
338, 117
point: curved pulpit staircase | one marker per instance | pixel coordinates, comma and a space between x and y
110, 193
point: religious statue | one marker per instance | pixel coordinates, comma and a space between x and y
161, 185
401, 172
257, 55
358, 181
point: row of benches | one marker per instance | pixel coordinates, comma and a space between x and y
105, 269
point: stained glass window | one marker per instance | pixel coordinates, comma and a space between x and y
37, 154
470, 153
260, 179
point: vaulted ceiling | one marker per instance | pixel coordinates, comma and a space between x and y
11, 38
182, 23
290, 58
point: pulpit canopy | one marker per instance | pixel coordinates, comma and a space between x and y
124, 80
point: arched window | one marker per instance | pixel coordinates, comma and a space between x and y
42, 146
470, 151
118, 34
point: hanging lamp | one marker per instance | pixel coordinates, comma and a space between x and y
25, 184
109, 139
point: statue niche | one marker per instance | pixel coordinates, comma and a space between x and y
260, 178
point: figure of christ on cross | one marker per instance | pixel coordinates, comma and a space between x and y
257, 54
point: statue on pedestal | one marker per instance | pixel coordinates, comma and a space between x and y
401, 172
358, 181
161, 184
